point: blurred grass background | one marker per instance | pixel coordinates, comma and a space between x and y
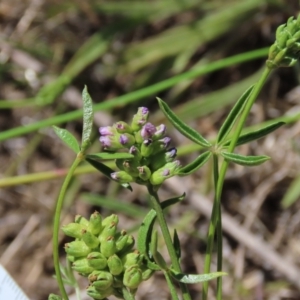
197, 55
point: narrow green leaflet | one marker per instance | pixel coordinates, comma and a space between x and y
182, 127
176, 243
144, 234
109, 156
245, 160
257, 134
233, 115
195, 165
156, 255
195, 278
105, 170
88, 118
67, 137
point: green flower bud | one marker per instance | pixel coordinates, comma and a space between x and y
98, 295
128, 246
121, 240
108, 220
108, 230
108, 247
73, 230
82, 266
132, 258
95, 225
146, 274
123, 127
81, 220
77, 249
140, 118
104, 281
90, 240
167, 171
144, 173
147, 148
132, 277
122, 177
93, 276
97, 260
162, 158
115, 265
130, 167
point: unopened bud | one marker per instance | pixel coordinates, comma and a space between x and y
160, 132
81, 220
90, 240
109, 219
82, 266
77, 248
95, 225
97, 260
140, 118
108, 247
122, 177
128, 246
115, 265
132, 277
167, 171
104, 280
73, 230
147, 148
132, 258
144, 173
121, 240
108, 230
97, 294
123, 127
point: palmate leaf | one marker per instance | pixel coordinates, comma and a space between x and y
233, 115
182, 127
244, 160
195, 165
88, 118
257, 134
195, 278
67, 137
109, 156
145, 231
105, 170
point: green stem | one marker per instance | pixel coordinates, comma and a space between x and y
167, 237
171, 286
216, 216
127, 295
56, 224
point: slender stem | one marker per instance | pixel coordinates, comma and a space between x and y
127, 295
167, 237
171, 286
72, 277
56, 224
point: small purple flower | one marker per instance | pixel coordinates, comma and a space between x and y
140, 118
144, 110
148, 130
147, 142
123, 139
165, 142
166, 172
106, 130
160, 131
105, 141
171, 153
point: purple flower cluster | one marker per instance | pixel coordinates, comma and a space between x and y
152, 161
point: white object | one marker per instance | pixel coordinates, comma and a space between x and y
9, 290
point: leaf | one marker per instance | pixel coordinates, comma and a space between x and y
233, 115
257, 134
67, 137
194, 165
88, 118
245, 160
292, 194
109, 156
160, 261
144, 233
182, 127
195, 278
105, 170
176, 243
